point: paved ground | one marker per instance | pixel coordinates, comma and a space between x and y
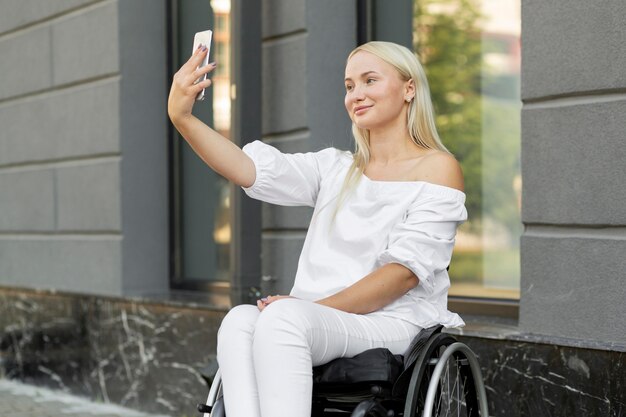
19, 400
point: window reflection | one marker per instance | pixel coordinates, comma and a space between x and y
222, 124
471, 53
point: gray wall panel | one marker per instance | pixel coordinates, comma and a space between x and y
65, 263
572, 46
144, 142
284, 96
88, 197
280, 253
574, 164
86, 44
573, 169
26, 63
17, 13
283, 16
328, 46
277, 217
27, 200
76, 122
574, 287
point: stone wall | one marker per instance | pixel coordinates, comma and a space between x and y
574, 168
148, 355
83, 166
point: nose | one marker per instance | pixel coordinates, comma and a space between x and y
357, 93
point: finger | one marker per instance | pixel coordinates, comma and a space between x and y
192, 62
260, 305
201, 72
196, 59
194, 89
206, 69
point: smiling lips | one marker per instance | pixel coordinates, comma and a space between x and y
361, 109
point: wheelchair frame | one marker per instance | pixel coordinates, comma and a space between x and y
445, 380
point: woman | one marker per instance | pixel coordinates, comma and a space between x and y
372, 272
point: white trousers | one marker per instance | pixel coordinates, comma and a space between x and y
266, 358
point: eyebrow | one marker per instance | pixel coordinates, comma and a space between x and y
362, 75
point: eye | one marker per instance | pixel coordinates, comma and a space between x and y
370, 80
349, 87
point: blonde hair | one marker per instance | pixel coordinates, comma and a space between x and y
420, 120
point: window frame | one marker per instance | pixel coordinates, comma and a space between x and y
245, 213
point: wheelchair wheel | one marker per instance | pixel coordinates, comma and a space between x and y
446, 381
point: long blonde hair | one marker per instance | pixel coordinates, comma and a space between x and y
420, 120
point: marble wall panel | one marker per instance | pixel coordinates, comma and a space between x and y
150, 355
534, 379
143, 355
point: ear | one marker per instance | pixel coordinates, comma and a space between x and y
409, 90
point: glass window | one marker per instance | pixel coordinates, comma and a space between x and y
471, 52
202, 229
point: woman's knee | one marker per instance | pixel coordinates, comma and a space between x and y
284, 317
238, 324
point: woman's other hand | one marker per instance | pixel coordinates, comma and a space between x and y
264, 302
184, 87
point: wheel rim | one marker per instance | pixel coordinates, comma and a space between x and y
416, 394
458, 391
452, 388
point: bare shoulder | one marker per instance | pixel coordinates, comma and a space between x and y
442, 168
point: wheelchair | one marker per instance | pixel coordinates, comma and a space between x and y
436, 376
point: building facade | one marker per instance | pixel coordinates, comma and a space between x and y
120, 253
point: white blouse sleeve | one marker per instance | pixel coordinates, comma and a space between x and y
424, 240
287, 179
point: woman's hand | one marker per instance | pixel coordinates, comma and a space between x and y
184, 87
264, 302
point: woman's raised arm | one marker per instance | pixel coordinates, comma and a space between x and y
219, 153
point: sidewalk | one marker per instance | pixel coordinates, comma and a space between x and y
20, 400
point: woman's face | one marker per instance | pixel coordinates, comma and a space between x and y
375, 93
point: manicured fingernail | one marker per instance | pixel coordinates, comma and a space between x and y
204, 48
264, 300
213, 64
199, 46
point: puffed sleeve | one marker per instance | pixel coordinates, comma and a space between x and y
424, 240
287, 179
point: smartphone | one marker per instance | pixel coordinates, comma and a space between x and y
202, 38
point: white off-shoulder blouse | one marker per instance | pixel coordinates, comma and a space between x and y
412, 223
